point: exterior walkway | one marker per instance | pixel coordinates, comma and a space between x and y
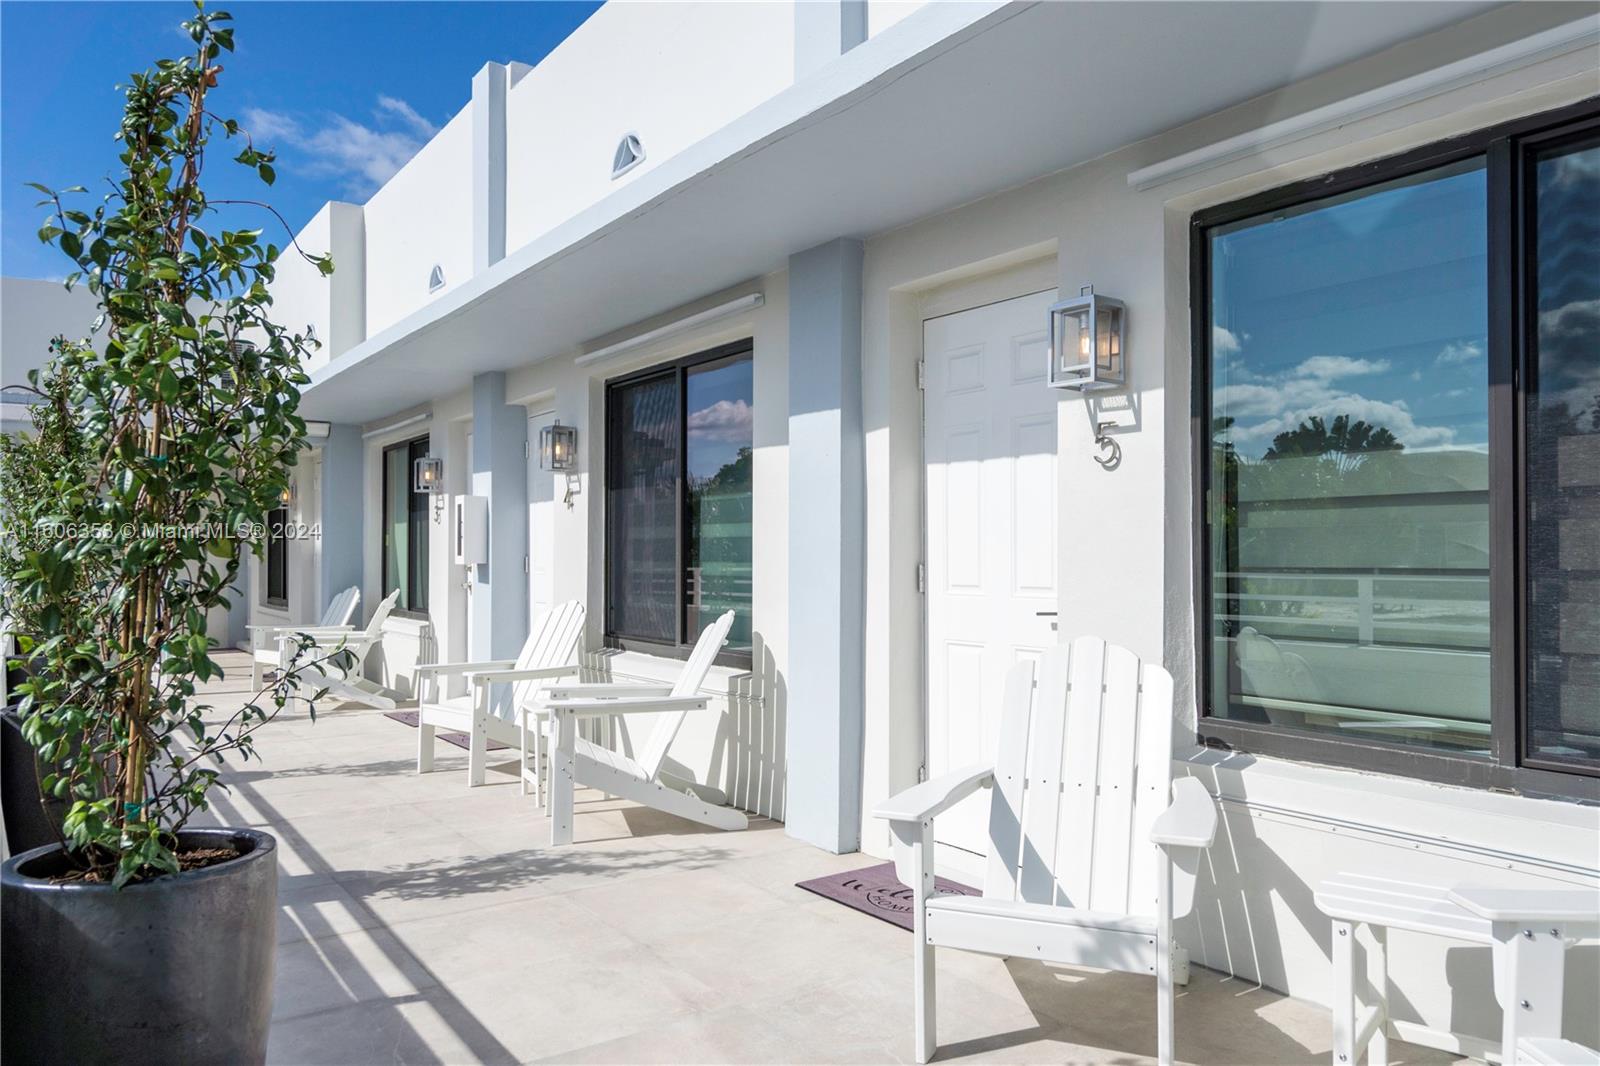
422, 922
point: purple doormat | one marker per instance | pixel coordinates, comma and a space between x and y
875, 890
460, 740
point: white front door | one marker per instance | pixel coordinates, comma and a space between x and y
541, 523
990, 448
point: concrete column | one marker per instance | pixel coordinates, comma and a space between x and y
827, 546
340, 509
825, 30
489, 87
499, 588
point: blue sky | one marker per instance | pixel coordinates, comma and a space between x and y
1373, 305
345, 91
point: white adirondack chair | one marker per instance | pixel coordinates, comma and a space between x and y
1530, 929
1093, 848
351, 686
266, 649
577, 762
550, 652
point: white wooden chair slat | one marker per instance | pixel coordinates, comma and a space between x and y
1081, 790
1041, 802
352, 685
1005, 805
577, 762
1155, 750
654, 751
1120, 757
266, 649
1081, 778
553, 641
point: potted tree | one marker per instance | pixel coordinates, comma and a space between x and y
159, 447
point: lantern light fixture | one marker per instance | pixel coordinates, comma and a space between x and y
1086, 342
286, 494
427, 475
558, 446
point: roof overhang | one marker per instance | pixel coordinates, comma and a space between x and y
956, 102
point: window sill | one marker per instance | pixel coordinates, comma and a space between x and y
635, 665
406, 622
1392, 761
1490, 827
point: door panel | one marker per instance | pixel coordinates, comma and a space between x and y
990, 447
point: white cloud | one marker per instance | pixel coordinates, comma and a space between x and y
407, 114
1329, 367
1264, 409
264, 125
1226, 342
363, 156
727, 421
1459, 352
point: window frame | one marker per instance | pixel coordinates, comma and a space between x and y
417, 559
277, 519
1508, 150
678, 369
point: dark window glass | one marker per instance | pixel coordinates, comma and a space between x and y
405, 527
678, 500
642, 499
277, 557
1349, 507
1563, 458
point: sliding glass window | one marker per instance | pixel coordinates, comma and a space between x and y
678, 501
1397, 415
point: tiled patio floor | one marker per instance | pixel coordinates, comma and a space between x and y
423, 922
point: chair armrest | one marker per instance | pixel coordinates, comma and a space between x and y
1191, 819
464, 668
496, 677
605, 689
927, 800
583, 708
1529, 904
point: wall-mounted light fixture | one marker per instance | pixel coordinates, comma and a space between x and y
286, 495
1086, 342
427, 475
558, 446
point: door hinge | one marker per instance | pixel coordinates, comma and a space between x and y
527, 449
526, 566
922, 577
922, 373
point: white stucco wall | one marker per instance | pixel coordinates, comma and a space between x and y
672, 73
32, 313
881, 14
1285, 825
420, 218
333, 307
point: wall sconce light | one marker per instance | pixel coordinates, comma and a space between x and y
558, 446
286, 495
1086, 342
427, 475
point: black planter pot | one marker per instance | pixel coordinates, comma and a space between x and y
30, 822
176, 970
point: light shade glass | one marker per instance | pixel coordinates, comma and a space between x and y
558, 447
1086, 342
428, 475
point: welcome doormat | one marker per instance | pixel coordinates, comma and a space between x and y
876, 891
460, 740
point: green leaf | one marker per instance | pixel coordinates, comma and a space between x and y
169, 385
268, 175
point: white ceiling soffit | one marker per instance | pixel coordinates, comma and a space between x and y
955, 102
